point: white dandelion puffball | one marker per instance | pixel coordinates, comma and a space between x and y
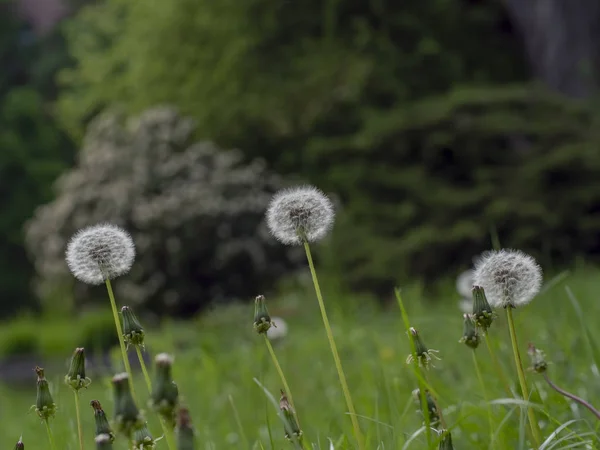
100, 252
510, 278
466, 305
279, 330
464, 284
300, 213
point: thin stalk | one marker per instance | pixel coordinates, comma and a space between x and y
77, 412
166, 431
113, 305
535, 427
497, 366
485, 397
280, 372
573, 397
50, 437
336, 357
239, 423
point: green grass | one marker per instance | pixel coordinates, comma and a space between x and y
218, 356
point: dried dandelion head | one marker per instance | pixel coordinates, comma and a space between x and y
300, 214
510, 278
99, 253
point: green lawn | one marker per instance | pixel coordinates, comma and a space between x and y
218, 356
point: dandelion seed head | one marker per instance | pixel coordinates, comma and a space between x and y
510, 278
298, 214
100, 252
464, 283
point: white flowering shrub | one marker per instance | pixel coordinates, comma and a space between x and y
194, 211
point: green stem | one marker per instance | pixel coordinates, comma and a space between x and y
288, 391
113, 305
238, 422
77, 412
50, 437
485, 397
535, 428
168, 436
336, 357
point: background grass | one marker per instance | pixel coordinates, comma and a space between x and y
218, 355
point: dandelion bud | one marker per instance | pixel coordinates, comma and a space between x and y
291, 427
44, 404
423, 355
538, 359
20, 445
99, 253
102, 425
510, 277
470, 336
184, 430
127, 416
432, 411
482, 311
299, 215
133, 333
165, 393
76, 376
142, 439
446, 440
262, 320
103, 442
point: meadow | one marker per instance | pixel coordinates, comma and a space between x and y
218, 357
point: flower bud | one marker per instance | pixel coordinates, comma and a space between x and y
432, 411
470, 336
446, 440
291, 428
20, 445
142, 439
133, 333
44, 404
127, 416
102, 425
103, 442
184, 430
423, 355
76, 376
262, 320
538, 359
483, 316
165, 393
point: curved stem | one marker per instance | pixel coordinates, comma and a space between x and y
288, 391
113, 305
336, 357
535, 428
78, 413
485, 397
573, 397
50, 437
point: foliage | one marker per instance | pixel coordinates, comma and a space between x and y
195, 213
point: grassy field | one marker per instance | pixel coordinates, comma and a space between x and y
218, 357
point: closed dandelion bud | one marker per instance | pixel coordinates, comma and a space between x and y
20, 445
127, 416
44, 404
142, 439
538, 359
99, 253
133, 333
423, 355
103, 442
184, 430
165, 393
102, 425
432, 411
262, 320
292, 429
446, 440
483, 316
470, 336
299, 215
510, 278
76, 376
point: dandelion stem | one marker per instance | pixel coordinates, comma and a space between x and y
485, 397
288, 391
113, 305
168, 436
573, 397
50, 437
238, 422
78, 413
535, 428
336, 357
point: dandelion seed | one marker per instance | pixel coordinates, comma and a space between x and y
99, 253
464, 283
510, 278
300, 214
279, 330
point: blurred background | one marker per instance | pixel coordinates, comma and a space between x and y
438, 127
